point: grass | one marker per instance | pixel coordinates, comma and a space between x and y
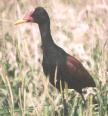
24, 90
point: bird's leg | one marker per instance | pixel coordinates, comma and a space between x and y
85, 104
56, 113
65, 105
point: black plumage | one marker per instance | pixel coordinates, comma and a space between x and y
69, 69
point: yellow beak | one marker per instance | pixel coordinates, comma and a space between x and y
20, 21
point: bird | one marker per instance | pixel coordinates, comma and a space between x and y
69, 70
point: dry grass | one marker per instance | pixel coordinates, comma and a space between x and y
80, 27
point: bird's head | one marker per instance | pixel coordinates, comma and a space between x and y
39, 16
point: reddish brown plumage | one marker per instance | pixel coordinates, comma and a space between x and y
80, 75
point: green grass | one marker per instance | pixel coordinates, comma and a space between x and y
24, 90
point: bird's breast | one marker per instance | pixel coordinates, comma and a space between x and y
48, 65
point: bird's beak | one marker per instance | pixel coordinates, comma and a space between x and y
26, 18
20, 21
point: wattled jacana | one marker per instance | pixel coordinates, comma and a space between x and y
69, 69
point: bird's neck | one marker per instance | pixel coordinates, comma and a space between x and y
46, 37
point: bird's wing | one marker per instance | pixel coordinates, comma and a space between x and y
79, 73
74, 65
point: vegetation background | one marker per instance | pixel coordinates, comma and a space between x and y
78, 26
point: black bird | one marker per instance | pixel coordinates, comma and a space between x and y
69, 69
